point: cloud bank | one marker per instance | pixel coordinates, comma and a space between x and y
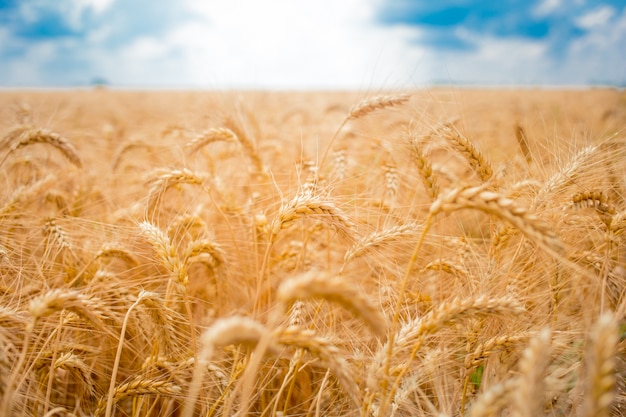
297, 44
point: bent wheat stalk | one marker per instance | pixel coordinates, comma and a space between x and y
112, 390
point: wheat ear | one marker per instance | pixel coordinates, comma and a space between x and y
597, 200
314, 284
425, 168
386, 236
489, 346
491, 402
90, 308
504, 208
529, 396
326, 352
23, 194
522, 141
220, 134
224, 332
37, 135
307, 204
568, 173
246, 143
362, 109
117, 252
412, 334
137, 387
200, 247
369, 105
17, 132
166, 179
475, 158
599, 388
166, 251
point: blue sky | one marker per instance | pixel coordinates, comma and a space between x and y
303, 44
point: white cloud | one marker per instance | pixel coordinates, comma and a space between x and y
98, 6
495, 61
288, 44
597, 55
596, 17
546, 7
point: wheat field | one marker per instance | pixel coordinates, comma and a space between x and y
443, 252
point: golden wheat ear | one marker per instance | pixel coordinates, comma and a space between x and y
362, 109
307, 204
522, 141
529, 396
246, 142
139, 387
600, 373
504, 208
27, 137
370, 105
424, 167
322, 285
322, 349
226, 331
466, 147
220, 134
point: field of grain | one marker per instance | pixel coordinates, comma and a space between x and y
445, 252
